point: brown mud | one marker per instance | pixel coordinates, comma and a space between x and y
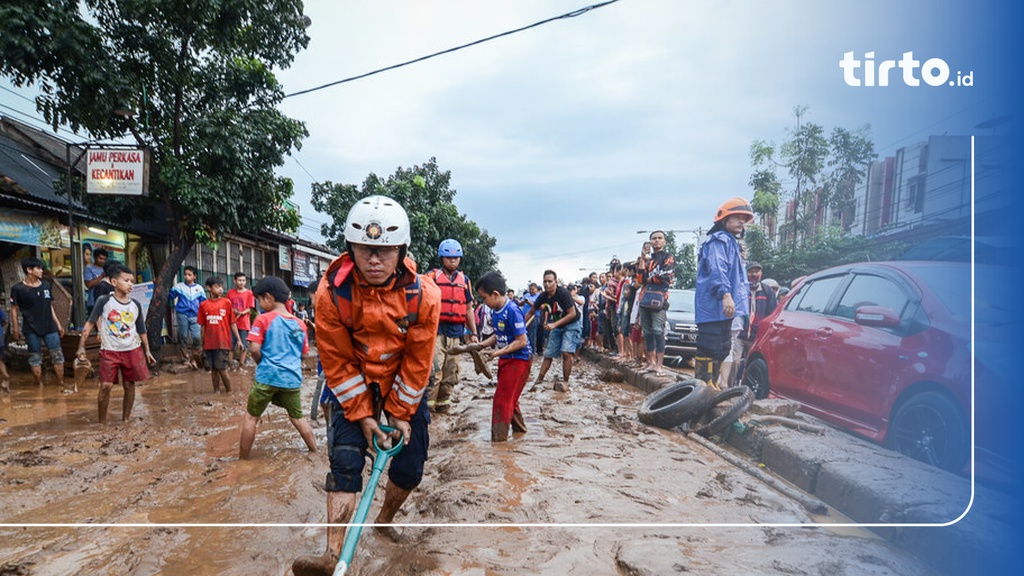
586, 461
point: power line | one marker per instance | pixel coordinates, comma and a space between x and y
573, 14
18, 94
295, 158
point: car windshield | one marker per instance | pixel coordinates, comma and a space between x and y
680, 301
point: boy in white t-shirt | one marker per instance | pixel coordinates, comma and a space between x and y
124, 346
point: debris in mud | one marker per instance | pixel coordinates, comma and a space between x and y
28, 459
14, 569
612, 375
620, 423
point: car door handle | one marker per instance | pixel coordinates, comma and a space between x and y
824, 332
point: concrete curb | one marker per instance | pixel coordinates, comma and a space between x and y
872, 485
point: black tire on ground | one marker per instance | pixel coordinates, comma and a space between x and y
930, 427
676, 403
755, 377
718, 419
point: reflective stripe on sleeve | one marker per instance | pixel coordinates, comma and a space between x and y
407, 394
350, 388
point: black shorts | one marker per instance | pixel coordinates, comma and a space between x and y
217, 359
714, 339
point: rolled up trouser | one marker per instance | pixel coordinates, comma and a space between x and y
714, 342
512, 376
445, 372
706, 369
652, 323
731, 361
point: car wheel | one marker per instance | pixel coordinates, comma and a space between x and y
931, 428
755, 377
676, 403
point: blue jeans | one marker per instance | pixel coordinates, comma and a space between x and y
189, 334
563, 340
35, 348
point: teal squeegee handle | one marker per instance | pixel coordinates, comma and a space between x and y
348, 549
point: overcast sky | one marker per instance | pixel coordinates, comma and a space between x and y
565, 139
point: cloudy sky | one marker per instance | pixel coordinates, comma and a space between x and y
565, 139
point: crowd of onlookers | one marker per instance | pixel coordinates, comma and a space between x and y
607, 309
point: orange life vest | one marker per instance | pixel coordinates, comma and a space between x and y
453, 295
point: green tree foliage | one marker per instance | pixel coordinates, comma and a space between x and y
759, 246
824, 169
828, 247
686, 261
426, 194
199, 75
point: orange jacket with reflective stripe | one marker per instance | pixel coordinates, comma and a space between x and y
377, 342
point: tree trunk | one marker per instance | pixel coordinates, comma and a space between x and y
161, 288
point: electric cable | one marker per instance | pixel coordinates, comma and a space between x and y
573, 14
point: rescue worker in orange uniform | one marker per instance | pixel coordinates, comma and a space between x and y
457, 319
376, 321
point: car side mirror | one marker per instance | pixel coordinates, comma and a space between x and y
877, 316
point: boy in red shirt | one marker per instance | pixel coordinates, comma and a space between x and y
217, 319
243, 302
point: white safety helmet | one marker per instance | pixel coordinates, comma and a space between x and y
379, 221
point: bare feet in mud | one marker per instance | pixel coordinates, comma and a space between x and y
322, 565
389, 532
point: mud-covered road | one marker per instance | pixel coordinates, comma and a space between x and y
586, 461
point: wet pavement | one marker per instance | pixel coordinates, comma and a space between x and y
587, 490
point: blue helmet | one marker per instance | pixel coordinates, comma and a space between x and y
450, 248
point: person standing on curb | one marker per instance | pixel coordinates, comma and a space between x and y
457, 319
33, 298
763, 302
722, 289
376, 323
563, 330
657, 273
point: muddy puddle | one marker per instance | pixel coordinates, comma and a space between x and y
585, 463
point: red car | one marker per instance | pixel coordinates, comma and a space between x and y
880, 349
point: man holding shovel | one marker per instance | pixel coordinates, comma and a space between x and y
376, 322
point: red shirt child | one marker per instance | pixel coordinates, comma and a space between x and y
243, 301
216, 317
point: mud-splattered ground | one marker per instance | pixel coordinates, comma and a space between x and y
585, 461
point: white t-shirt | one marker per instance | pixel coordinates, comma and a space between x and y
119, 324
